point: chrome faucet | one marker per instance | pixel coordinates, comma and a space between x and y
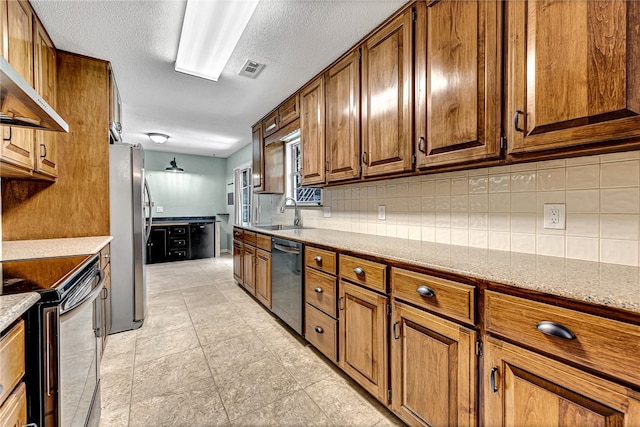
296, 215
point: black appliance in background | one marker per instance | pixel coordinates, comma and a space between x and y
181, 238
202, 240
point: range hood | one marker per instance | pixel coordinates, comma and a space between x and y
20, 104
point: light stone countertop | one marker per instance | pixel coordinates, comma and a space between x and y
12, 306
47, 248
605, 284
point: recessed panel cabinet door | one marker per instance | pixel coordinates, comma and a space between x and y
263, 277
387, 121
238, 258
258, 158
249, 268
525, 389
458, 80
343, 119
45, 78
573, 71
433, 369
312, 132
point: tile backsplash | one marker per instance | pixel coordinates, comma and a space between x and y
501, 208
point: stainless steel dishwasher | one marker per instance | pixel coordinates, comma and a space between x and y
286, 282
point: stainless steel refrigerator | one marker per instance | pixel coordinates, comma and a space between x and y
129, 228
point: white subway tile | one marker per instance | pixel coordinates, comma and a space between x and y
460, 203
521, 167
479, 172
551, 179
583, 177
403, 189
443, 219
414, 188
620, 174
550, 245
415, 204
428, 234
551, 164
523, 243
460, 236
523, 223
499, 222
403, 231
543, 197
500, 202
500, 183
443, 203
523, 181
500, 170
616, 157
428, 219
499, 240
392, 230
381, 190
620, 200
583, 225
457, 174
443, 235
479, 203
584, 248
619, 226
414, 232
478, 184
623, 252
428, 188
479, 221
428, 203
584, 160
583, 201
460, 185
523, 202
460, 220
443, 187
479, 238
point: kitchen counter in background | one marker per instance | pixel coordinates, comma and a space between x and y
610, 285
46, 248
12, 307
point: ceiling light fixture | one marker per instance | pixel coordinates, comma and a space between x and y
158, 138
210, 32
174, 167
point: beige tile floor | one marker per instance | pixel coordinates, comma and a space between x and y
209, 355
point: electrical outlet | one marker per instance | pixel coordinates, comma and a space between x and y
326, 212
554, 216
159, 209
382, 215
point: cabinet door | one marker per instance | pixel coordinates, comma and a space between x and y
312, 133
258, 158
263, 277
433, 369
249, 268
343, 119
573, 71
238, 258
363, 337
270, 123
522, 388
387, 79
45, 78
17, 143
105, 302
289, 111
458, 51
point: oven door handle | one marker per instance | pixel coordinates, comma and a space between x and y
87, 300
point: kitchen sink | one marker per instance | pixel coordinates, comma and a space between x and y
280, 227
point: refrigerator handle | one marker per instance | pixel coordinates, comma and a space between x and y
148, 191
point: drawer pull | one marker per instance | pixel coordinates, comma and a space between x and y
395, 331
494, 387
319, 329
425, 291
358, 271
555, 330
317, 258
318, 289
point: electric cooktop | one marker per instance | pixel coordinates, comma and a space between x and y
40, 275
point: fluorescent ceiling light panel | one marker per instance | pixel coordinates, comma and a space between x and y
210, 31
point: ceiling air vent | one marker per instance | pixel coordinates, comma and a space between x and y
251, 69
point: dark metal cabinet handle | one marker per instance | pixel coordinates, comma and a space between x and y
395, 331
317, 258
516, 121
494, 387
319, 329
340, 303
426, 291
318, 289
358, 271
43, 153
421, 145
555, 330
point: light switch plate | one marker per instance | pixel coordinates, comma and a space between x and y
382, 215
326, 212
554, 216
159, 209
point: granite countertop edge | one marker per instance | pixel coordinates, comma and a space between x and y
609, 285
13, 306
15, 250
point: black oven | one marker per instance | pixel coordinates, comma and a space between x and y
63, 338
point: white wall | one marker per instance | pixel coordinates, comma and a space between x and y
502, 208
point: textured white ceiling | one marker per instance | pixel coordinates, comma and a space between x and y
295, 39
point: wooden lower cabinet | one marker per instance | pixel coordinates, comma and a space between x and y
249, 268
363, 327
238, 254
263, 277
433, 369
522, 388
13, 411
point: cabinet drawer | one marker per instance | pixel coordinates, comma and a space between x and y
238, 233
105, 256
178, 230
178, 254
178, 243
12, 357
321, 331
250, 237
14, 411
606, 345
270, 124
263, 242
450, 298
320, 259
320, 290
366, 273
289, 111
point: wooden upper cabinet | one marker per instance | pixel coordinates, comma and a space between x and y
46, 83
289, 111
258, 158
270, 123
387, 98
312, 132
573, 71
457, 82
17, 144
343, 119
